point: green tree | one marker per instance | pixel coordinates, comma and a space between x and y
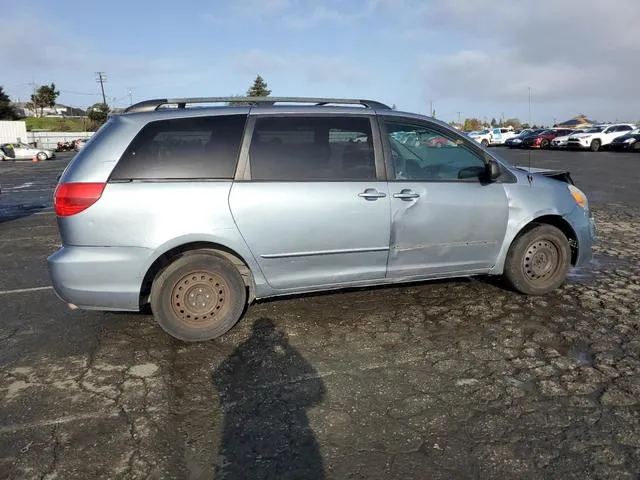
494, 122
513, 122
525, 126
98, 113
7, 110
45, 97
472, 124
259, 88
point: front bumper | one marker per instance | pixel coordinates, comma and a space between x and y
580, 144
99, 278
584, 226
622, 147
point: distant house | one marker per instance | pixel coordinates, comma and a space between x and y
58, 110
580, 121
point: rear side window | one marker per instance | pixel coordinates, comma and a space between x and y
312, 149
184, 148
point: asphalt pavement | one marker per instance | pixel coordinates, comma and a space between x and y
455, 379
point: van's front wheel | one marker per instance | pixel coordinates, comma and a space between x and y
538, 260
198, 297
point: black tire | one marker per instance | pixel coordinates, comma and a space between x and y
595, 145
41, 156
544, 144
484, 142
198, 297
636, 146
538, 260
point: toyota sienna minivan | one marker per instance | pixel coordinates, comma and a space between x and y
197, 209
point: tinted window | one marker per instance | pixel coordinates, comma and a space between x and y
312, 149
182, 148
624, 128
439, 157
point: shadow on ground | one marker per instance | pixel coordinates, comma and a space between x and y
14, 211
265, 388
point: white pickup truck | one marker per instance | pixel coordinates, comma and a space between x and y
598, 136
493, 136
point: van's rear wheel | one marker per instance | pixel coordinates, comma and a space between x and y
538, 260
198, 297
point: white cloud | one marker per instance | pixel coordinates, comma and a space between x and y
71, 63
313, 68
295, 14
581, 53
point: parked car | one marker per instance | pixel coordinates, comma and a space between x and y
628, 141
22, 151
598, 136
197, 212
561, 142
516, 142
543, 139
483, 137
494, 136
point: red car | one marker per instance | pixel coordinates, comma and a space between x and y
543, 139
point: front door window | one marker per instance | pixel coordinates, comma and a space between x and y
421, 154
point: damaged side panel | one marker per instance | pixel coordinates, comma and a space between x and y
449, 227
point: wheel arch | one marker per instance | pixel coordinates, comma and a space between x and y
558, 222
167, 257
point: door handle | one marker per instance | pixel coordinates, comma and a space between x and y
372, 194
406, 194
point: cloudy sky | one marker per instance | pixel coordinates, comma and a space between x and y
476, 57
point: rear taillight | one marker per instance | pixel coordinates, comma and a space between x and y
72, 198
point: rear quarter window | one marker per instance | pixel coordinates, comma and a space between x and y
184, 148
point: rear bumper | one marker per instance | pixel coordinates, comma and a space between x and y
99, 278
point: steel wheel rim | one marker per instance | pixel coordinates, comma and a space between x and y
197, 298
541, 260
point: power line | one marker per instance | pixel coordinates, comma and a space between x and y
101, 78
71, 92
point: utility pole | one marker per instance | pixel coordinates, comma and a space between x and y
459, 118
430, 108
130, 96
101, 78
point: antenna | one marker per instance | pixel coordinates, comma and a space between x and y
529, 177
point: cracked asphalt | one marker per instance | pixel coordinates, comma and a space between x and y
440, 380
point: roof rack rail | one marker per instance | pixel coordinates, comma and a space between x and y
152, 105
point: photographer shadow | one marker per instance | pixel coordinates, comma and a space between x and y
265, 387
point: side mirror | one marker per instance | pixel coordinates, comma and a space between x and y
493, 170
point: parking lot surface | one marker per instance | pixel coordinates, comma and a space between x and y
454, 379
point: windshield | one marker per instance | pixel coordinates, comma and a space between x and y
594, 130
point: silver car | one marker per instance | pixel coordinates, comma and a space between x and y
22, 151
197, 211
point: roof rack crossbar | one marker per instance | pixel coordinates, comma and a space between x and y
155, 104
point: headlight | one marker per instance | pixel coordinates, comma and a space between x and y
579, 196
630, 140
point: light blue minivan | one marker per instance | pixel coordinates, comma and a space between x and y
197, 209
